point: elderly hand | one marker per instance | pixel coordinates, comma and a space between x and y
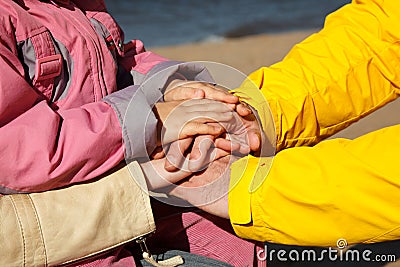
244, 129
157, 177
209, 189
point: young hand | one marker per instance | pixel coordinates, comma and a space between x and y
182, 90
183, 119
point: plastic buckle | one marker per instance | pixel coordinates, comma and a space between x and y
48, 67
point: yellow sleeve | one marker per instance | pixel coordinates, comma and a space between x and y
314, 196
338, 188
333, 78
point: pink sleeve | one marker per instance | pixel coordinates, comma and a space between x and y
43, 149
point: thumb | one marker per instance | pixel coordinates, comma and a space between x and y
176, 154
254, 140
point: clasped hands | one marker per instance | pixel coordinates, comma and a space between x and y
202, 129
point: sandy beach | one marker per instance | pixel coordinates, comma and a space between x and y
249, 53
245, 54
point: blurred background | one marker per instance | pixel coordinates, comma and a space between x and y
243, 34
171, 22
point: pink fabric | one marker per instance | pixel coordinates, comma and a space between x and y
45, 146
203, 234
195, 232
116, 258
145, 62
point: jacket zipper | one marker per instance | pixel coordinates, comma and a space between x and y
171, 262
107, 250
98, 63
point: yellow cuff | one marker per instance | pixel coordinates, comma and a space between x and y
247, 175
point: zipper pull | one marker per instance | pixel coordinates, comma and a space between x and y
171, 262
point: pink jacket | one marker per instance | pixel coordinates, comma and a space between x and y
66, 81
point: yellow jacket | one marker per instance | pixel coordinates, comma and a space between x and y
315, 194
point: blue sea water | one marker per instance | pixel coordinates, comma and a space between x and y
170, 22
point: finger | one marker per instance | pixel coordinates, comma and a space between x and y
226, 145
158, 153
176, 154
204, 152
157, 177
195, 128
221, 153
191, 129
236, 147
209, 117
244, 149
197, 151
207, 156
212, 92
201, 154
231, 106
183, 93
254, 140
206, 104
243, 110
